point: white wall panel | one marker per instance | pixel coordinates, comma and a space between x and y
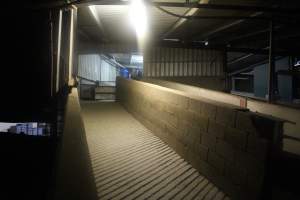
92, 67
88, 66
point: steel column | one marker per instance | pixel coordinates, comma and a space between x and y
271, 66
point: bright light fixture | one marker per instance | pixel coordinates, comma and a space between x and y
138, 18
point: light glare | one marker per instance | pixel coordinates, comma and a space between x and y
138, 18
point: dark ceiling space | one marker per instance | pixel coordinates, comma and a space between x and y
241, 26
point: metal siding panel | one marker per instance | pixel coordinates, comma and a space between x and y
214, 70
148, 72
195, 63
163, 62
209, 60
89, 66
204, 61
199, 64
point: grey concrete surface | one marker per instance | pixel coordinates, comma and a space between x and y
129, 162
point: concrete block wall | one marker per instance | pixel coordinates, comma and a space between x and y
228, 145
287, 113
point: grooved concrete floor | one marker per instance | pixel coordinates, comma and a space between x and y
129, 162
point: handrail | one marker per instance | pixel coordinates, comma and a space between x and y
87, 79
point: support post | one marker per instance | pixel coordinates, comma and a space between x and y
271, 66
225, 71
58, 51
71, 49
51, 53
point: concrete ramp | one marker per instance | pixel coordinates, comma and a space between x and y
129, 162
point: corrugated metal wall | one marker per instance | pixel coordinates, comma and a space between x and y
92, 67
89, 66
108, 72
170, 62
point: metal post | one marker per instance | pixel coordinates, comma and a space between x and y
58, 50
51, 53
271, 68
225, 71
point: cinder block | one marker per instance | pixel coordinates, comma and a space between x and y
201, 122
209, 110
188, 140
226, 116
181, 149
168, 118
206, 169
254, 186
225, 150
175, 99
219, 180
254, 166
236, 173
178, 133
158, 105
194, 132
236, 138
259, 147
195, 106
183, 101
186, 115
234, 191
216, 161
245, 121
192, 158
172, 109
171, 141
216, 129
208, 141
201, 151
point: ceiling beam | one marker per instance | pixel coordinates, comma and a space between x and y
251, 67
267, 9
198, 45
264, 51
94, 14
181, 21
207, 35
240, 59
247, 35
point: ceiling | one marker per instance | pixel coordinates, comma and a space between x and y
110, 24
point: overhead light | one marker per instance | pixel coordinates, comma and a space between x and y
206, 43
138, 17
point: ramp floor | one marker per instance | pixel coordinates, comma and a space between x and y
130, 162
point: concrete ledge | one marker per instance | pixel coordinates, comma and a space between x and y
74, 178
289, 114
